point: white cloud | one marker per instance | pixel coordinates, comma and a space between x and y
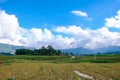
79, 13
72, 36
9, 28
113, 21
12, 33
91, 38
69, 30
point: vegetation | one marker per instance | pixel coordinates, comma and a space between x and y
43, 51
33, 67
66, 59
30, 70
50, 64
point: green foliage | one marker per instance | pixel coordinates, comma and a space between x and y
43, 51
23, 51
62, 59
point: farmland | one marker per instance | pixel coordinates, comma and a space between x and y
23, 67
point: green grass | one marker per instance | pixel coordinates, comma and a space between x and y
66, 59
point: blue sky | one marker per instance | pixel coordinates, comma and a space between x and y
36, 13
51, 15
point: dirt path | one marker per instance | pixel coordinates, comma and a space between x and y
83, 75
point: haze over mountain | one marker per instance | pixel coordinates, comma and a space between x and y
7, 48
80, 50
104, 50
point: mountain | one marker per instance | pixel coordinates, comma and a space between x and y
6, 48
108, 49
80, 50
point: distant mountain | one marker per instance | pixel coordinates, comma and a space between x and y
80, 50
6, 48
108, 49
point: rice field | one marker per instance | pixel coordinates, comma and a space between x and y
20, 69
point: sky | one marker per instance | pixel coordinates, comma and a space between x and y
62, 24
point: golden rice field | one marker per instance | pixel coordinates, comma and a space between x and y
41, 70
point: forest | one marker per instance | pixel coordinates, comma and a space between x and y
49, 50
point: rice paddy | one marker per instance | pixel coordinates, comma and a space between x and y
22, 69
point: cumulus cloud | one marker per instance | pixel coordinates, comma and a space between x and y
79, 13
9, 28
91, 38
66, 37
69, 30
12, 33
113, 21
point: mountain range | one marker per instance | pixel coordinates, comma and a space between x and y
103, 50
80, 50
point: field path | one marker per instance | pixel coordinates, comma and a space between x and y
83, 75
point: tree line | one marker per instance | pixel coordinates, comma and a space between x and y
49, 50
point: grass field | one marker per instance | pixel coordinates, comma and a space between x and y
103, 67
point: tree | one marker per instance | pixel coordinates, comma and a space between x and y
49, 50
24, 52
58, 52
43, 50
